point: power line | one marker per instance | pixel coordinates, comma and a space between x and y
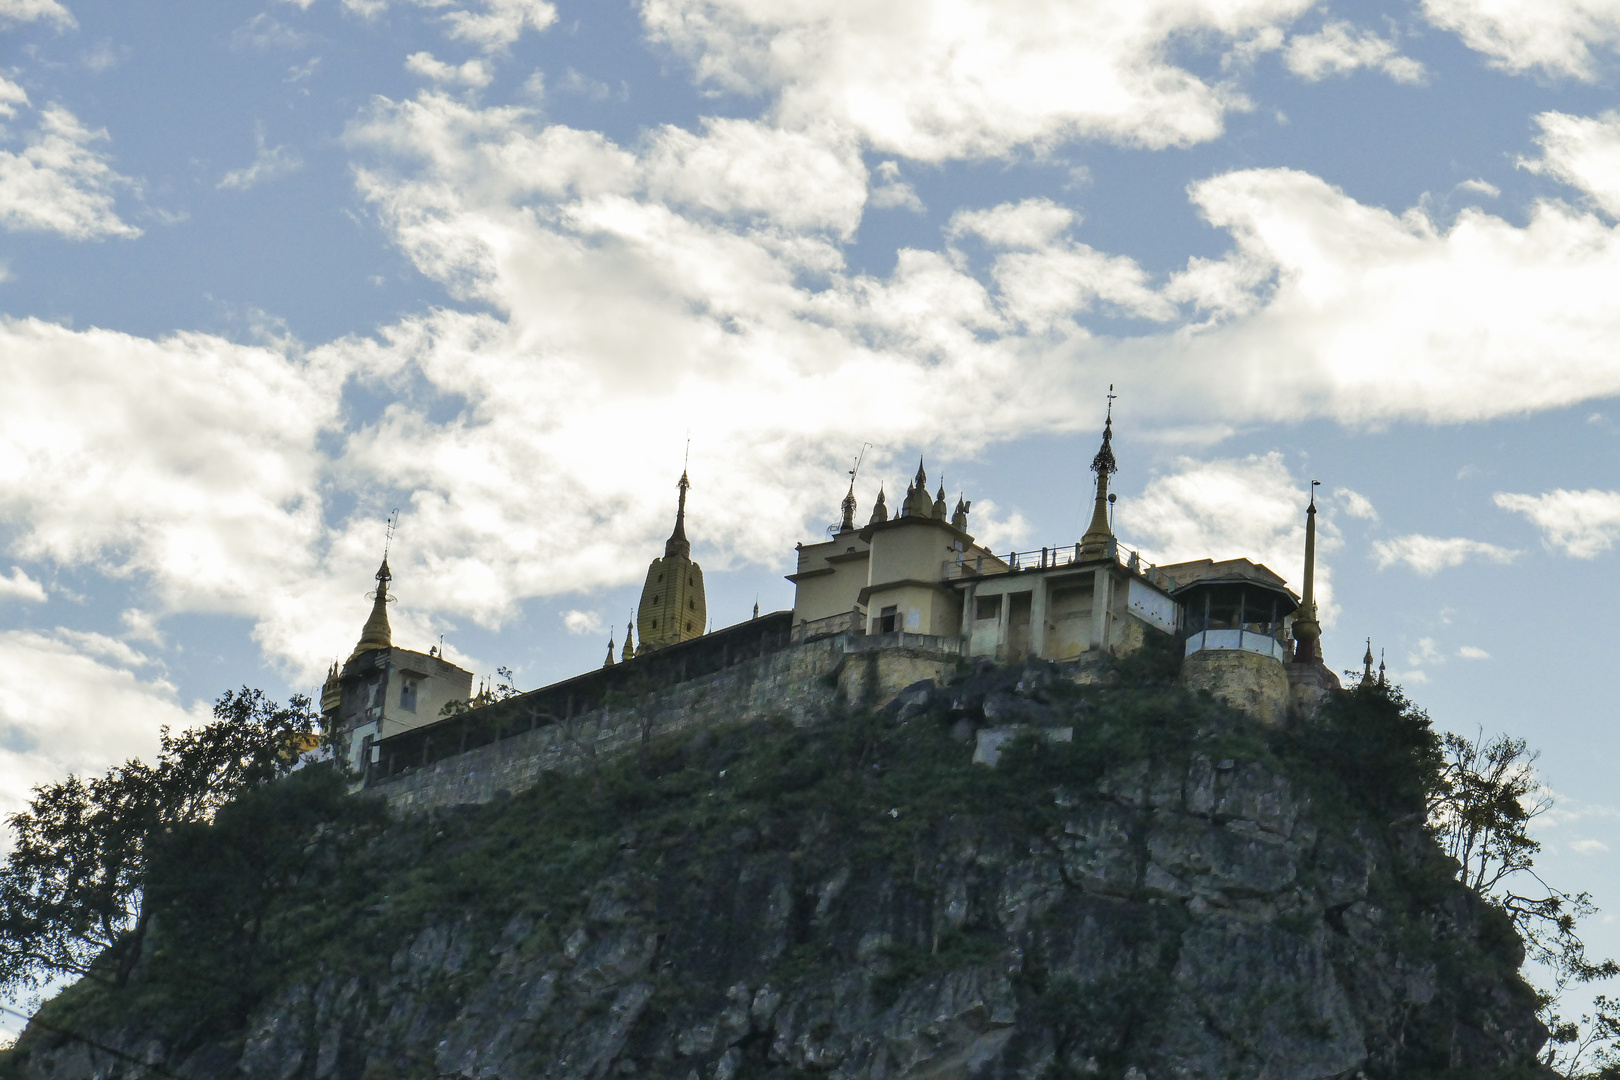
94, 1044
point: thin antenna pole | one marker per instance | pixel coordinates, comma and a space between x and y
859, 457
388, 538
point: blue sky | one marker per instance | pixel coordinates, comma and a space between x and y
270, 270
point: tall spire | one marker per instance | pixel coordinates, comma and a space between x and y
377, 634
1366, 673
1307, 631
609, 661
848, 524
629, 643
1094, 545
677, 543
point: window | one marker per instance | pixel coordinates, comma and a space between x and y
660, 580
688, 627
887, 619
407, 695
655, 624
692, 604
655, 599
375, 698
987, 607
366, 752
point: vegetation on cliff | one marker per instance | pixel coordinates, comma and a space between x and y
1174, 890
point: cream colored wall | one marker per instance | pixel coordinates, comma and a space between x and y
825, 595
916, 549
1068, 619
922, 610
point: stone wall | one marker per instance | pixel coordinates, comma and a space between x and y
800, 684
1247, 681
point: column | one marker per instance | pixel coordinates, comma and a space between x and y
1037, 616
1102, 583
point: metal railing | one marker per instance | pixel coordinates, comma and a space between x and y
965, 566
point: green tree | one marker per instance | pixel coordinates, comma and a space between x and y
71, 897
1484, 801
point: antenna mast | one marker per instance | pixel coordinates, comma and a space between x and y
388, 538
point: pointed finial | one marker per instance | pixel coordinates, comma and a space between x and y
609, 661
1380, 667
880, 509
677, 543
756, 607
629, 652
922, 475
848, 506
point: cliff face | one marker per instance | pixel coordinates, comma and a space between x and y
1173, 893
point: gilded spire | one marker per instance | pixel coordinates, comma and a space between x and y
1096, 542
629, 644
377, 634
677, 543
1307, 631
1366, 661
609, 661
848, 524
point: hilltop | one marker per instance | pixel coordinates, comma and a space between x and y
1147, 884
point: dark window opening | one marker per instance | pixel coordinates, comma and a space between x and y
987, 607
407, 695
692, 604
887, 618
688, 626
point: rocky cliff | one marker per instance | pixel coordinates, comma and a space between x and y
1172, 892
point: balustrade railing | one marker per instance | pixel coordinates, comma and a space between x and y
966, 566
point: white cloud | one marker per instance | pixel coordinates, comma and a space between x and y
19, 586
58, 182
1425, 653
1249, 508
474, 73
1481, 187
1580, 523
490, 24
582, 622
1356, 504
937, 79
1431, 554
1044, 279
1473, 652
269, 163
34, 10
893, 191
1326, 306
1340, 48
1588, 847
63, 710
1553, 37
501, 22
189, 461
1584, 153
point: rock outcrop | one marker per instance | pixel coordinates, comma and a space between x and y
1174, 893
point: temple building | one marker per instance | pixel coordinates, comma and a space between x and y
906, 597
382, 690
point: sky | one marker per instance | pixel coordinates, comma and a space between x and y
271, 270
